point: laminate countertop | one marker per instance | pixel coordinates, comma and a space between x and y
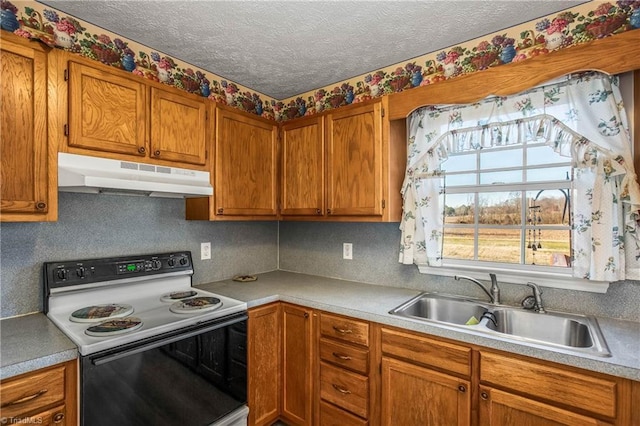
373, 303
31, 342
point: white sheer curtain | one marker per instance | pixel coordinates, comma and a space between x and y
582, 118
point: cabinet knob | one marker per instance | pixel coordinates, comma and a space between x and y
318, 211
156, 153
142, 150
41, 205
306, 314
462, 388
59, 417
220, 211
484, 395
328, 211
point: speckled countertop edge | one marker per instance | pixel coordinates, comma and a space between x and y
373, 302
31, 342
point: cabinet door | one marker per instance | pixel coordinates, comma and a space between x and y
107, 111
302, 191
178, 127
23, 114
354, 172
264, 368
246, 165
498, 408
413, 395
297, 389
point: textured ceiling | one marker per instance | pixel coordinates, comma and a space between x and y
285, 48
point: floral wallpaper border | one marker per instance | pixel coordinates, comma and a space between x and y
592, 20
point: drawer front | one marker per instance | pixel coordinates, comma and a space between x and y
32, 392
547, 382
346, 329
345, 356
330, 415
345, 389
427, 351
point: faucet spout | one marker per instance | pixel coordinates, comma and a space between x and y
494, 295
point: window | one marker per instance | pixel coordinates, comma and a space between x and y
536, 186
507, 204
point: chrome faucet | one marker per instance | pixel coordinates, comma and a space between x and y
537, 294
494, 294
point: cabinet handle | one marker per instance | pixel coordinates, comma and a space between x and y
341, 356
462, 388
341, 389
58, 418
24, 399
342, 330
41, 205
156, 153
142, 150
484, 395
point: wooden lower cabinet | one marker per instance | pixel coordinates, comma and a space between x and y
298, 360
499, 408
311, 367
44, 397
414, 395
264, 364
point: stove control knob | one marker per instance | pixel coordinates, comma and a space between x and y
184, 261
171, 262
80, 272
62, 274
156, 264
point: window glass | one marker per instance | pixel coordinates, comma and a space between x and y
493, 178
460, 162
500, 208
549, 174
499, 245
544, 155
502, 158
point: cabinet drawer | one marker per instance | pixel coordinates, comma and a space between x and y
32, 392
577, 390
427, 351
346, 329
344, 355
330, 415
344, 389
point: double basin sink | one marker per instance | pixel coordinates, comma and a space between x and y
564, 332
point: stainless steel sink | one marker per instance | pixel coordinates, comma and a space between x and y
565, 332
439, 308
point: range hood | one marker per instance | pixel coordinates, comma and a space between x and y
82, 173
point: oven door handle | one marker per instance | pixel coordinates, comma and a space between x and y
165, 341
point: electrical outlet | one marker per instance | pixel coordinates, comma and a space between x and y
347, 251
205, 251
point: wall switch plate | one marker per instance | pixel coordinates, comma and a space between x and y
347, 251
205, 251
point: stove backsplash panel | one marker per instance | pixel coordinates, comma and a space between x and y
111, 225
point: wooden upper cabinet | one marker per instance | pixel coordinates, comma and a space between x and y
178, 127
246, 165
354, 161
27, 188
107, 111
303, 167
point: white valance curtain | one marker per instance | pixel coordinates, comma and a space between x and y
581, 117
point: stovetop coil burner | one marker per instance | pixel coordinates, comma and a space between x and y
196, 304
97, 313
178, 295
114, 326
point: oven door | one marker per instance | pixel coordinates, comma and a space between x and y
193, 376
